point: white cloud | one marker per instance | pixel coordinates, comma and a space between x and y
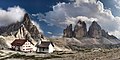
11, 15
87, 10
73, 21
49, 32
63, 11
117, 4
53, 36
38, 26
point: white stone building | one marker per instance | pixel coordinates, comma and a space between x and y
45, 47
23, 45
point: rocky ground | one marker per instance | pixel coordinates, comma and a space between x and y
93, 54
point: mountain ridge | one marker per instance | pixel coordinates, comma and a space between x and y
95, 31
12, 29
24, 29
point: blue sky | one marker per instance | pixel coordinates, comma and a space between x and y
45, 7
110, 5
33, 7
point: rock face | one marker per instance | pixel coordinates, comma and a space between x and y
95, 37
20, 28
68, 31
32, 29
80, 29
95, 30
10, 29
23, 33
106, 35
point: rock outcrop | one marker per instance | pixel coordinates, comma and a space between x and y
22, 29
14, 28
23, 33
95, 30
32, 29
106, 35
80, 30
95, 37
10, 29
68, 31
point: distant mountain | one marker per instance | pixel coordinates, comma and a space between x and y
25, 27
22, 29
95, 34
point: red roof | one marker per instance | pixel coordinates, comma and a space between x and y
19, 42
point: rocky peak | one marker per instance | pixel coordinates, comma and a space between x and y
26, 20
32, 29
26, 17
78, 32
80, 29
79, 22
14, 28
68, 31
95, 30
95, 25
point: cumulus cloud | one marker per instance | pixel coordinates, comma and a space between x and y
73, 21
38, 26
11, 15
87, 10
117, 4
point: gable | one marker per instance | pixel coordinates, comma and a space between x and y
28, 43
20, 42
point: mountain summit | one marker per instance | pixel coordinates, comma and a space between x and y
95, 30
24, 29
21, 29
80, 29
95, 34
32, 29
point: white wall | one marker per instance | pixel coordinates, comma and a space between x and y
51, 48
41, 50
27, 45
